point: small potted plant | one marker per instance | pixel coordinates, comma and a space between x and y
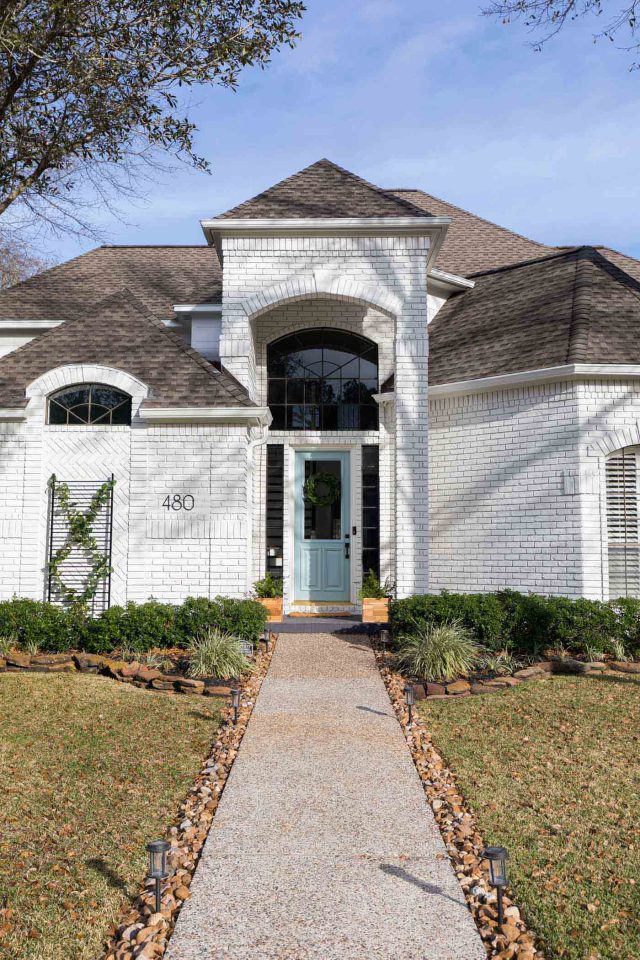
375, 598
269, 594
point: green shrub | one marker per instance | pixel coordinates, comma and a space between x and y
373, 589
627, 611
438, 651
216, 654
481, 613
241, 618
268, 588
137, 628
37, 625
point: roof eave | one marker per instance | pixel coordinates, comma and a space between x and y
566, 371
258, 416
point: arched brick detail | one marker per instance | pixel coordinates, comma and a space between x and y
40, 388
321, 284
616, 440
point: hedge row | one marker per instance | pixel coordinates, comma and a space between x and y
529, 623
34, 625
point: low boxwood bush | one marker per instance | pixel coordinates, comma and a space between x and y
33, 625
481, 613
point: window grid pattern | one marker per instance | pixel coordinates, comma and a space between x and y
89, 404
370, 509
322, 379
622, 524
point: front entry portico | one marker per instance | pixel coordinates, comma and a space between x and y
322, 532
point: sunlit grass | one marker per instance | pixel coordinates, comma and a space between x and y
90, 770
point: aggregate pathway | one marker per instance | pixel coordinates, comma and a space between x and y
323, 845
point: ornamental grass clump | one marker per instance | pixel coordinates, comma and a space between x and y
216, 654
438, 652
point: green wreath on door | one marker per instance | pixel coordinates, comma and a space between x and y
322, 489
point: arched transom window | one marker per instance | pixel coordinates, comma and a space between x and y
622, 472
90, 403
323, 379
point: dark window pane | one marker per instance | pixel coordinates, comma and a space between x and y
295, 417
276, 391
313, 391
329, 417
331, 391
369, 418
312, 418
295, 391
57, 414
279, 421
322, 522
90, 403
121, 416
348, 416
370, 497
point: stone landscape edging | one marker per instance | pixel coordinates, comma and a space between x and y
539, 670
135, 672
464, 844
141, 933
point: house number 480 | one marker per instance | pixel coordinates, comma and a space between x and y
178, 501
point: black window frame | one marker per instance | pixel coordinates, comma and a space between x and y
323, 379
81, 412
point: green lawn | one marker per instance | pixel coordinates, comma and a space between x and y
90, 770
552, 771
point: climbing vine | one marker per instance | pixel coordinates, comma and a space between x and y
79, 536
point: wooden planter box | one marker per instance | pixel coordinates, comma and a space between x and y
273, 606
375, 610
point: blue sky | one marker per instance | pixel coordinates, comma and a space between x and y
417, 94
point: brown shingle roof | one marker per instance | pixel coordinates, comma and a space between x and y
120, 333
471, 243
157, 276
324, 190
571, 307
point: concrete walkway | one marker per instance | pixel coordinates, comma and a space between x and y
323, 845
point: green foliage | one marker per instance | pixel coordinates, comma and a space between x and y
438, 651
241, 618
136, 628
38, 626
216, 654
502, 663
529, 624
89, 87
373, 589
268, 588
481, 613
79, 537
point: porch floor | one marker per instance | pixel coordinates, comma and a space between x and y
323, 845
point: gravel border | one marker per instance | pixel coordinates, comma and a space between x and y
460, 833
140, 932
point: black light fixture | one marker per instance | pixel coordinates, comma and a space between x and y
235, 702
384, 640
267, 639
497, 858
410, 697
158, 871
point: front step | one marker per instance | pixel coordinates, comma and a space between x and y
303, 608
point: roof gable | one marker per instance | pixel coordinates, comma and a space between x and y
120, 333
323, 190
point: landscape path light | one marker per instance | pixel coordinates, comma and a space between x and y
384, 640
267, 639
410, 697
235, 702
158, 870
497, 858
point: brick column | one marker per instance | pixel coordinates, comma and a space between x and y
412, 449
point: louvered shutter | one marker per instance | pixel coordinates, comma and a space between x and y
622, 524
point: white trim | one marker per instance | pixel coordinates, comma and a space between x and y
29, 324
451, 280
320, 283
197, 308
385, 226
568, 371
13, 413
256, 415
387, 397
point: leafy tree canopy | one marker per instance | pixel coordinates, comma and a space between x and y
91, 89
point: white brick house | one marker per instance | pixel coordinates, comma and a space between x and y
474, 395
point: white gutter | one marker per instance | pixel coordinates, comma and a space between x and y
451, 280
568, 371
382, 225
197, 308
259, 416
29, 324
13, 413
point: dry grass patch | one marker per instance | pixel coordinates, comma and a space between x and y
551, 770
90, 770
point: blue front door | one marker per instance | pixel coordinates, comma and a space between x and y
322, 527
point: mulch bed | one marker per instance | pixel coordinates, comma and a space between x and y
142, 933
460, 834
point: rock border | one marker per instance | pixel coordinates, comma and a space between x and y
460, 834
141, 933
540, 670
134, 672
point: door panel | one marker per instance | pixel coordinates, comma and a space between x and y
322, 564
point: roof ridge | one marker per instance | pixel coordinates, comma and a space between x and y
579, 327
524, 263
371, 186
490, 223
